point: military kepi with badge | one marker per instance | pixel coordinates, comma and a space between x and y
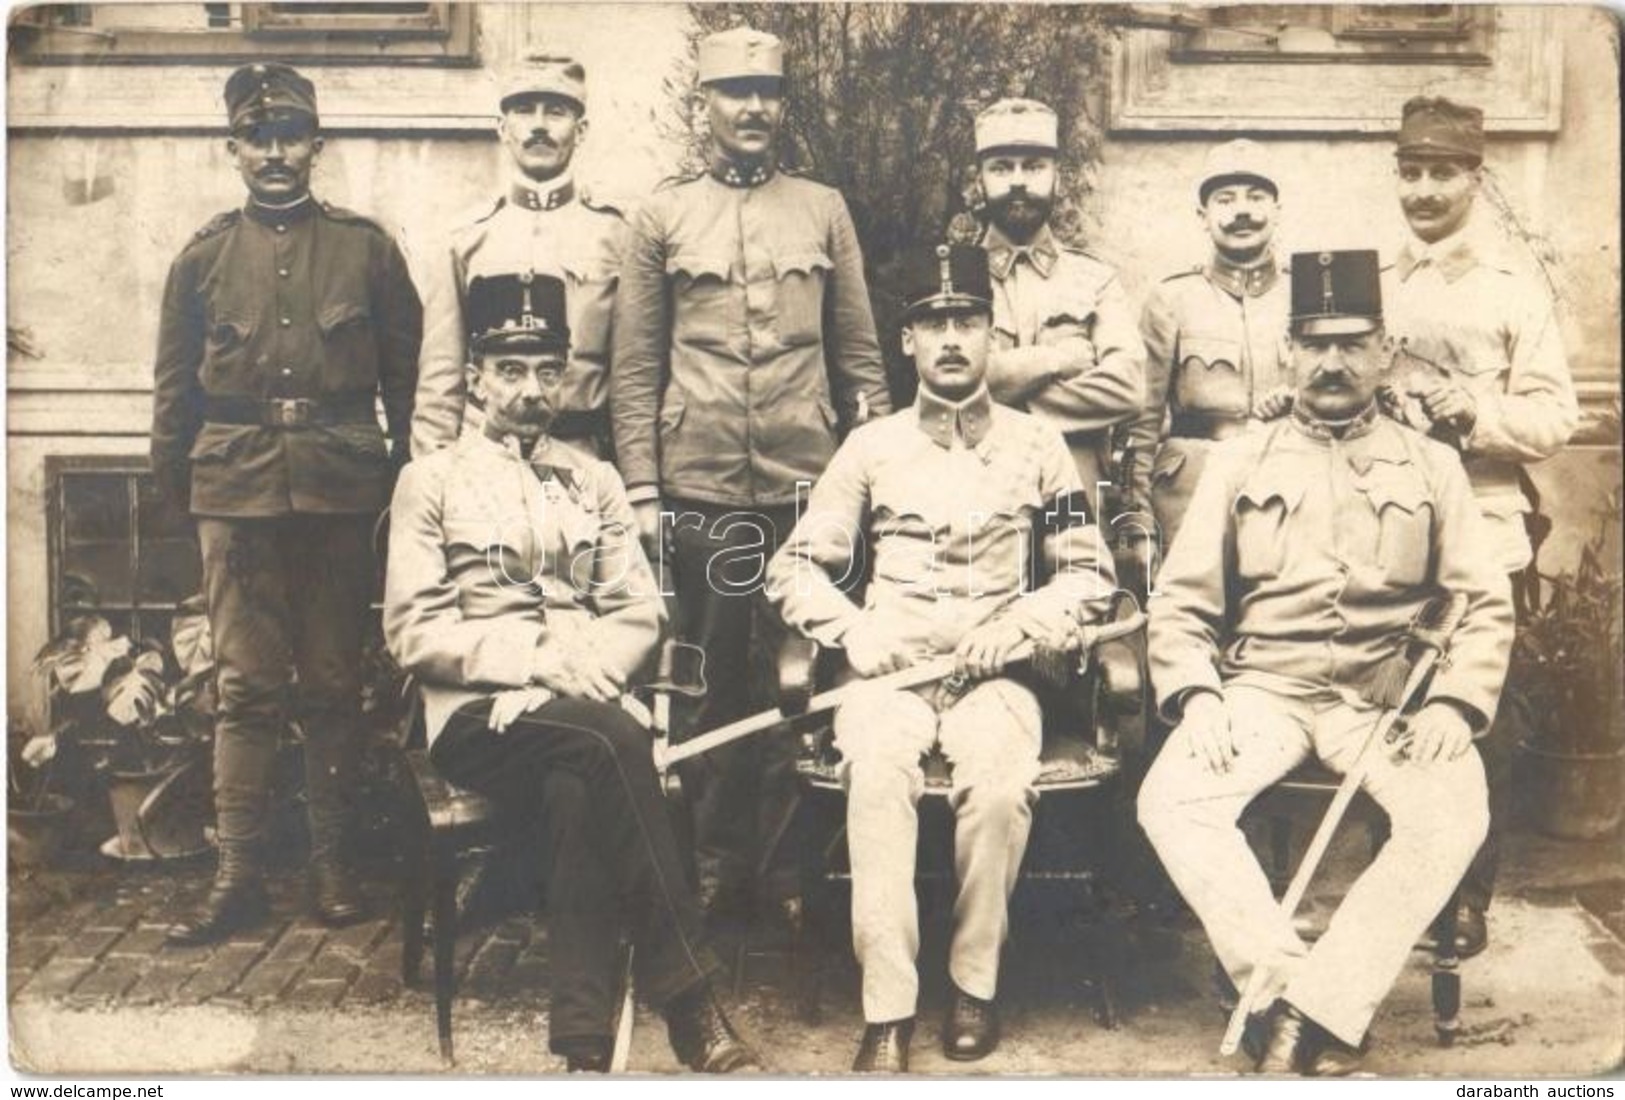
1432, 126
517, 312
257, 93
1335, 293
945, 279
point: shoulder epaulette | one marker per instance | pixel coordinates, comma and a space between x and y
217, 225
593, 202
680, 179
1185, 273
484, 210
339, 213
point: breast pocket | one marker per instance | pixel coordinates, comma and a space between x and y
592, 303
700, 294
801, 275
1404, 530
347, 342
485, 550
1261, 513
225, 350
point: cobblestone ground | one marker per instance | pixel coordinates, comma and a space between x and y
93, 988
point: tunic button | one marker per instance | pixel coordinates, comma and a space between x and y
281, 229
282, 271
286, 322
287, 372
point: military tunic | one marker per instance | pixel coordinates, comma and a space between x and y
1057, 310
1328, 546
562, 232
950, 497
1214, 339
1461, 312
311, 302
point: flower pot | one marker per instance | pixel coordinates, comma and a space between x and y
1574, 795
34, 836
160, 814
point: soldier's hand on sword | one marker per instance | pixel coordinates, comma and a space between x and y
987, 649
1437, 732
1205, 727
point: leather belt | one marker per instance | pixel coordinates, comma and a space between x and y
1215, 426
291, 412
573, 424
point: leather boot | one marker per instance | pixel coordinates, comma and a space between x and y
236, 901
884, 1048
701, 1036
329, 784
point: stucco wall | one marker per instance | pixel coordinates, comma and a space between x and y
97, 210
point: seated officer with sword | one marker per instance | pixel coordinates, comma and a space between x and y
519, 598
1307, 553
952, 494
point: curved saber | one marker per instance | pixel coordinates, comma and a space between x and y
939, 668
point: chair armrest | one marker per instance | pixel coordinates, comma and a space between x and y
798, 670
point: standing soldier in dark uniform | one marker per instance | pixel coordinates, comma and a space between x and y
1065, 345
743, 338
283, 322
1214, 337
544, 223
1481, 368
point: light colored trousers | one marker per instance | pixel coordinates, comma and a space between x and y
1438, 814
991, 736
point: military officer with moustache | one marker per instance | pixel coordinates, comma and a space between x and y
544, 223
950, 495
282, 325
1065, 346
1482, 368
520, 599
1306, 553
744, 343
1215, 338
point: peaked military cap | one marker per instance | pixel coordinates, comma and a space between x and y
1335, 293
514, 311
945, 278
542, 74
256, 92
1436, 127
739, 53
1017, 124
1235, 162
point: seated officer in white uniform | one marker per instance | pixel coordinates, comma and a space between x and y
951, 495
519, 598
1306, 553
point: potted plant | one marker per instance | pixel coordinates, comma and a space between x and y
144, 717
36, 816
1566, 676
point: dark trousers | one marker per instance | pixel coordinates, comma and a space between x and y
610, 859
744, 794
287, 596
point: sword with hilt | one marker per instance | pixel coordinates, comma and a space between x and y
1429, 639
938, 668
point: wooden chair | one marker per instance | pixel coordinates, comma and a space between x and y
1079, 782
445, 823
1303, 796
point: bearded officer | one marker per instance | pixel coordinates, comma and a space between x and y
919, 487
283, 323
1306, 553
1065, 346
520, 599
743, 342
544, 223
1214, 338
1482, 368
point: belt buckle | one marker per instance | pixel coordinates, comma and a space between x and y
291, 412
